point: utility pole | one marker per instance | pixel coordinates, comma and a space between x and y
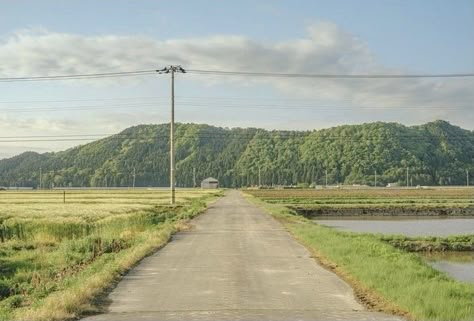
407, 176
467, 177
171, 70
326, 178
41, 178
194, 176
315, 179
375, 178
134, 176
259, 178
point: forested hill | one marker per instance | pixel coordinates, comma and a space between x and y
436, 153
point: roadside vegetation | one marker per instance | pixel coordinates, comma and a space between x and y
56, 258
383, 277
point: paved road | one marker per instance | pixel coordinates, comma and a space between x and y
238, 263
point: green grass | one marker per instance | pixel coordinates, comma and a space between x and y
431, 243
55, 259
382, 275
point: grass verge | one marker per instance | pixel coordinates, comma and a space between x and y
383, 277
458, 243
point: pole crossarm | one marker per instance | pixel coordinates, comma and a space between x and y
171, 68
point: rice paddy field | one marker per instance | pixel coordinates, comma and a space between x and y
354, 198
60, 251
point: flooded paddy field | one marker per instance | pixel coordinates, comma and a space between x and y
407, 225
459, 265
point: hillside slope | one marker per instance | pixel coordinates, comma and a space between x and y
436, 153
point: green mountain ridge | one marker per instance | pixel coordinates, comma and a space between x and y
436, 153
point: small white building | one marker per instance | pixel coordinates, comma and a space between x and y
210, 182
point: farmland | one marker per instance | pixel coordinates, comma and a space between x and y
384, 274
454, 201
58, 254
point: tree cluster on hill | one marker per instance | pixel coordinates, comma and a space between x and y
435, 153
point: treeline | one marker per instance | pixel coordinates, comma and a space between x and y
436, 153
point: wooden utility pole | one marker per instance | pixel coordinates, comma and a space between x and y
375, 178
134, 176
171, 70
467, 177
407, 177
259, 178
194, 176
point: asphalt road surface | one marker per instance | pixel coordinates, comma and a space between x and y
238, 263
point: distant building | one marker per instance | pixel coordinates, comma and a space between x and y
210, 183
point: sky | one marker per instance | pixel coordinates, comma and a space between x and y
44, 38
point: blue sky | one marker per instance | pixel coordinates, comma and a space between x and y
339, 36
425, 35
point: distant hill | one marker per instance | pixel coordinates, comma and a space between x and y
436, 153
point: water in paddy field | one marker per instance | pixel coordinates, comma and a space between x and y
459, 265
408, 226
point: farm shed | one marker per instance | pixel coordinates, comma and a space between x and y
210, 183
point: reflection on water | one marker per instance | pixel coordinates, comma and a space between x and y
409, 226
460, 265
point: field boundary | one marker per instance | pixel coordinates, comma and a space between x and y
397, 211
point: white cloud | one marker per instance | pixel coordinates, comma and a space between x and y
326, 49
41, 124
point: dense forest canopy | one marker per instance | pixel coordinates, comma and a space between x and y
435, 153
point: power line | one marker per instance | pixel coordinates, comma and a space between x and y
47, 140
232, 136
80, 100
268, 134
346, 76
80, 76
231, 73
185, 98
78, 107
218, 105
53, 136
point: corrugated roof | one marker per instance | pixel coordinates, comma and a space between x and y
210, 179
